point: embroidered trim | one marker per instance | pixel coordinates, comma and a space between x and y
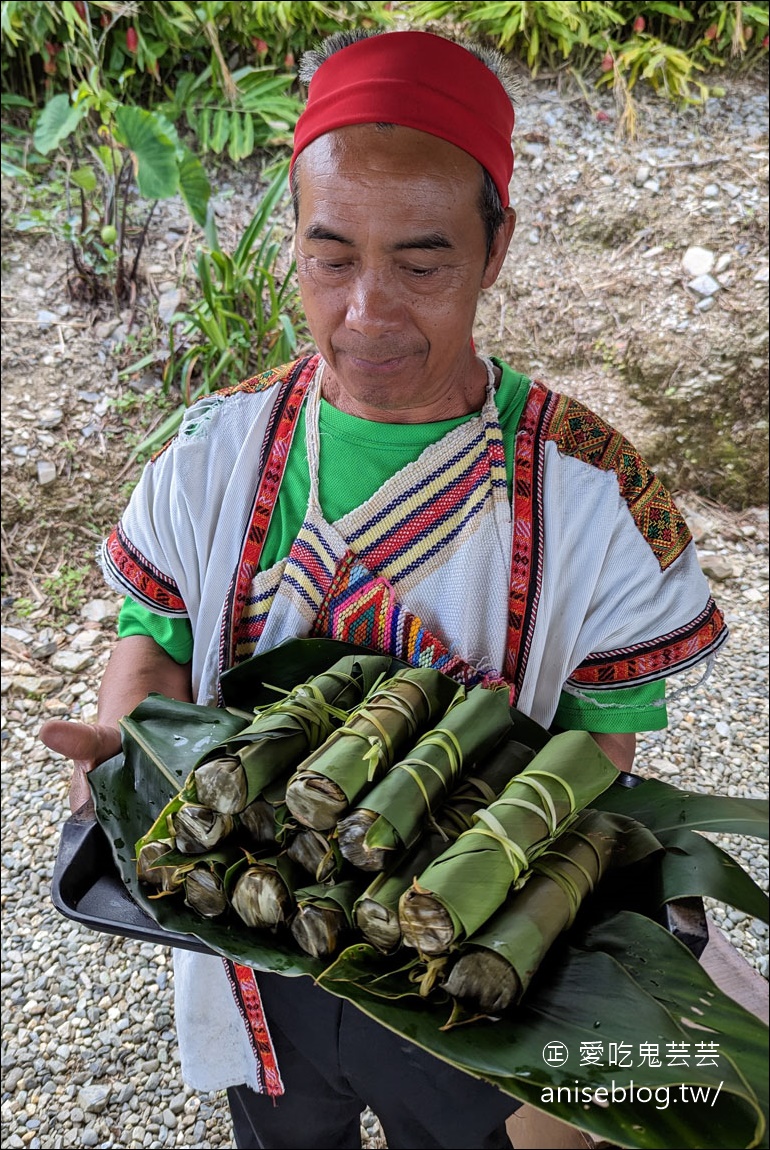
527, 542
147, 583
294, 379
583, 435
249, 1002
657, 659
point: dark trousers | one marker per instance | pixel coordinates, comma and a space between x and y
335, 1061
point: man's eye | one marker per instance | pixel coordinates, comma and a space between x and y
421, 273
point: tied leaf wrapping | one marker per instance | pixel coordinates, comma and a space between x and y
358, 753
496, 964
324, 916
236, 773
462, 888
376, 912
392, 816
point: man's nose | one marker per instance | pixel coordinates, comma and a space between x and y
373, 306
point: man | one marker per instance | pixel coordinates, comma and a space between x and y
399, 491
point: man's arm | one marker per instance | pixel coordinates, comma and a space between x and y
137, 667
619, 748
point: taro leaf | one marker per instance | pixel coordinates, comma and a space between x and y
579, 997
146, 135
662, 807
194, 186
693, 865
56, 122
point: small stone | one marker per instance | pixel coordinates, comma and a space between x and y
762, 276
50, 417
642, 175
733, 190
71, 661
651, 185
722, 729
698, 261
93, 1099
711, 191
534, 236
723, 262
46, 318
705, 304
168, 304
608, 181
754, 595
704, 286
98, 610
104, 330
716, 567
46, 472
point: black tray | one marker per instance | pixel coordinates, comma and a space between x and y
87, 888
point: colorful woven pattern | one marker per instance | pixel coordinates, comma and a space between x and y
149, 586
362, 608
582, 434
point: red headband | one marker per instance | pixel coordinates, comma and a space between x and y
420, 81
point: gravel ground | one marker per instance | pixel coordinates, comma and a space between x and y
89, 1053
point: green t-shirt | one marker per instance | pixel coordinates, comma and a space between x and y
357, 456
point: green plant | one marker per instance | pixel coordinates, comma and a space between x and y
67, 587
663, 43
244, 321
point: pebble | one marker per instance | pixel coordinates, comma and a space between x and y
698, 261
46, 472
704, 285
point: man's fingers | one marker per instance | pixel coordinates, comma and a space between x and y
89, 745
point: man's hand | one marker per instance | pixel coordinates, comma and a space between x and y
137, 667
87, 746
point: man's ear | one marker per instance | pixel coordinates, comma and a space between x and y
500, 246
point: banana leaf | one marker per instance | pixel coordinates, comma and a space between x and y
663, 807
497, 963
392, 815
597, 996
236, 773
465, 885
355, 755
693, 865
376, 912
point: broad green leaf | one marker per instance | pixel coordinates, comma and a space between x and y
695, 866
84, 178
194, 186
662, 807
58, 120
154, 153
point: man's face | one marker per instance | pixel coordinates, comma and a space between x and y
391, 255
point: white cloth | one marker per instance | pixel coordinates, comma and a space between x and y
600, 588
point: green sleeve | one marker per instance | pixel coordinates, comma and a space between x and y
173, 635
630, 710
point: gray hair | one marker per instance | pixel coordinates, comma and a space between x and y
490, 205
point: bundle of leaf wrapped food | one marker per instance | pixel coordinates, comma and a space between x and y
376, 912
496, 964
465, 885
198, 829
316, 853
373, 737
149, 868
261, 891
391, 817
236, 773
324, 915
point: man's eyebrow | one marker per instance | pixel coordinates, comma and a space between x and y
321, 232
431, 241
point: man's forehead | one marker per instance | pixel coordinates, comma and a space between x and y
362, 152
